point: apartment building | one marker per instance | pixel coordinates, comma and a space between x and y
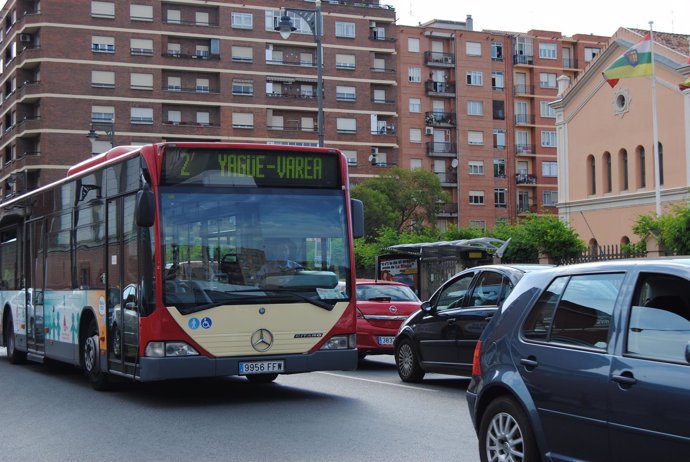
138, 71
474, 110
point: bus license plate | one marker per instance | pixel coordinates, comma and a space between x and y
261, 367
386, 340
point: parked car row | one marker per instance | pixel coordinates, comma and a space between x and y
581, 362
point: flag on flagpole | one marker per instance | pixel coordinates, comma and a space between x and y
636, 62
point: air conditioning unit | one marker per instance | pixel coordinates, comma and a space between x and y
374, 150
429, 130
25, 38
372, 24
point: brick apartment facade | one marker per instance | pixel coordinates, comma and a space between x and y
468, 105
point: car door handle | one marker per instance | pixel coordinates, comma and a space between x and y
450, 321
529, 363
625, 379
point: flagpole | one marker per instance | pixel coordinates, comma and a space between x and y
655, 130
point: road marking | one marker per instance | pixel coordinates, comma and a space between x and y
412, 387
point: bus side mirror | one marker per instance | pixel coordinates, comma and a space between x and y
357, 210
145, 210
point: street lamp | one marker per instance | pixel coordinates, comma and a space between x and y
313, 18
107, 127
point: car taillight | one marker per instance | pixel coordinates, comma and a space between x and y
476, 368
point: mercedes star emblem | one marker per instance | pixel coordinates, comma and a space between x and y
262, 340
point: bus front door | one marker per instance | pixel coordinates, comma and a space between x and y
122, 276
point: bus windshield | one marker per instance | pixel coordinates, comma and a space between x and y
230, 246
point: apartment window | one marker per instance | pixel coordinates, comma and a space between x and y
475, 78
201, 52
103, 9
414, 74
623, 157
475, 108
591, 53
413, 44
142, 47
242, 120
477, 197
102, 113
242, 54
346, 125
499, 168
496, 51
473, 48
174, 117
174, 17
499, 111
415, 105
351, 157
141, 81
497, 80
478, 224
547, 50
475, 167
550, 198
547, 80
174, 83
174, 49
141, 116
343, 93
415, 164
415, 135
549, 168
345, 29
499, 138
344, 61
592, 175
548, 139
546, 110
608, 174
475, 137
103, 79
202, 86
500, 197
379, 96
242, 87
101, 44
242, 20
141, 12
201, 18
203, 119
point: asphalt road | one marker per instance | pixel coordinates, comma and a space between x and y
50, 412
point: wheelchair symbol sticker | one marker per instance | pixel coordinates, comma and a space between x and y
206, 323
194, 323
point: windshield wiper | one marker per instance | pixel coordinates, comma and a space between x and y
234, 295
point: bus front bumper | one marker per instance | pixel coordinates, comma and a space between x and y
152, 369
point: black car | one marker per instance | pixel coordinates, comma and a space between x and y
441, 336
588, 362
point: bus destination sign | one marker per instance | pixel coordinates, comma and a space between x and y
250, 167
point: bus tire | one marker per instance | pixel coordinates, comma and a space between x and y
13, 355
91, 358
262, 378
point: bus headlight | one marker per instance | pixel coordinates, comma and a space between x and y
163, 349
340, 342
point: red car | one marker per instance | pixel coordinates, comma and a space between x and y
381, 307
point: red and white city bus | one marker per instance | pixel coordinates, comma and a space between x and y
148, 263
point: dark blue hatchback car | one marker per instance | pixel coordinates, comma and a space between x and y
587, 362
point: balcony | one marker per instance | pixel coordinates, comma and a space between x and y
448, 179
447, 210
180, 55
524, 119
385, 130
440, 119
525, 149
438, 59
522, 89
441, 149
443, 89
524, 209
525, 179
570, 63
380, 36
523, 59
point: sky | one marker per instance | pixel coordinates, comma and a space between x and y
569, 18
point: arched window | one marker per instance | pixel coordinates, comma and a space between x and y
661, 164
623, 166
608, 181
642, 170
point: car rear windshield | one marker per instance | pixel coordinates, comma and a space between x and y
386, 293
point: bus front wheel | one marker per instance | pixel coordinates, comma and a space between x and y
91, 358
13, 356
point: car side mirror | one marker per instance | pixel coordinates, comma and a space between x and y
427, 307
687, 352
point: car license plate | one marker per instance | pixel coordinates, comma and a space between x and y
261, 367
386, 340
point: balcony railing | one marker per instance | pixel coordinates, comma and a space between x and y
524, 119
179, 55
440, 119
523, 59
522, 89
438, 59
439, 88
522, 149
291, 94
447, 210
441, 149
525, 178
523, 209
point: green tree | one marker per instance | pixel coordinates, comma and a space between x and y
539, 234
404, 200
672, 229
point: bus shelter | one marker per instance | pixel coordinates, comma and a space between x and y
425, 266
